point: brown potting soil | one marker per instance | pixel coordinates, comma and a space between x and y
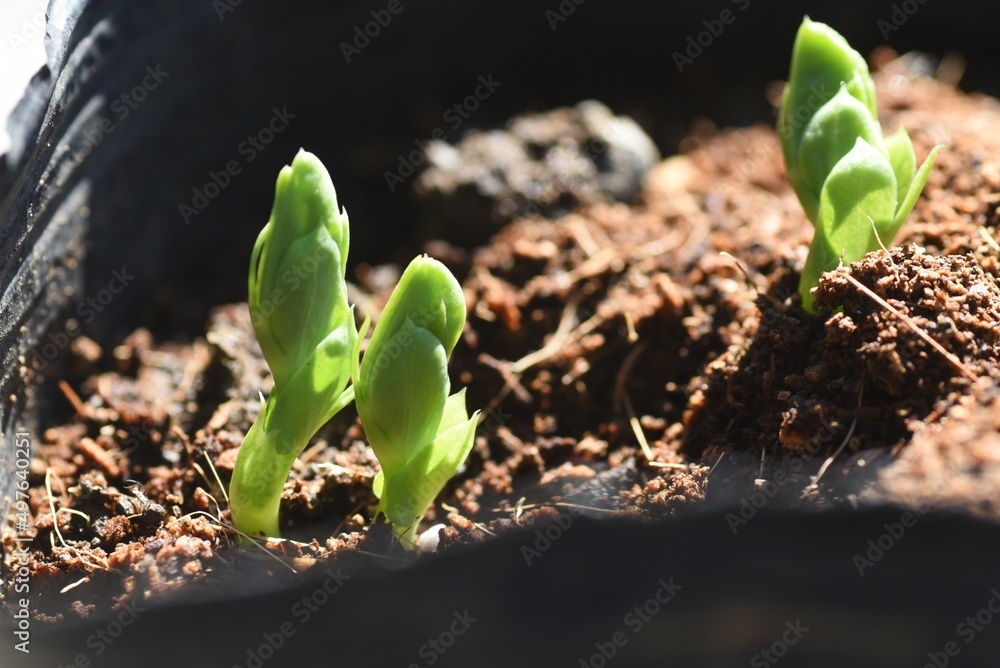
641, 360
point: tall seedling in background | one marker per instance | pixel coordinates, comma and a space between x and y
855, 186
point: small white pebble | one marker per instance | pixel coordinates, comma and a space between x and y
427, 542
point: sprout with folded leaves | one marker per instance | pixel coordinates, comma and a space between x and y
856, 186
420, 432
306, 331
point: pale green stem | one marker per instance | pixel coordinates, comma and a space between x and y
261, 470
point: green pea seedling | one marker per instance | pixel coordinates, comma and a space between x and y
856, 186
420, 432
307, 336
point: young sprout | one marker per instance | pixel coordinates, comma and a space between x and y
856, 186
420, 432
306, 330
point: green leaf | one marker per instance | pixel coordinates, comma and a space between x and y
310, 301
828, 137
304, 200
910, 200
297, 291
254, 280
861, 86
860, 191
411, 490
312, 395
402, 384
859, 195
430, 296
454, 413
903, 161
401, 393
822, 60
454, 440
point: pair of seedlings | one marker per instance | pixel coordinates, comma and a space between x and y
856, 187
420, 431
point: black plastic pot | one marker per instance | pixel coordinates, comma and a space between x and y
802, 590
132, 195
